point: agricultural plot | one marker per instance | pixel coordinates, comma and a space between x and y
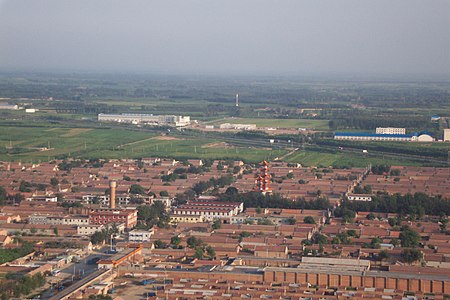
279, 123
310, 158
34, 144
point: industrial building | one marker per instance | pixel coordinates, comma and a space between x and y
446, 135
353, 136
171, 120
238, 126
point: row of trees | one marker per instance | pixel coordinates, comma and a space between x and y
418, 204
202, 186
255, 199
12, 254
370, 122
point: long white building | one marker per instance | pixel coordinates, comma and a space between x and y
172, 120
352, 136
390, 130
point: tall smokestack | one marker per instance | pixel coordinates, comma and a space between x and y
237, 100
112, 197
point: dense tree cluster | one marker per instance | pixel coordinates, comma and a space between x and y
150, 215
202, 250
18, 286
12, 254
100, 237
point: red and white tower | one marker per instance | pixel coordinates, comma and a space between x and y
262, 182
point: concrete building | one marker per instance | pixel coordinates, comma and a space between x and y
108, 216
209, 210
89, 229
390, 130
140, 236
46, 219
121, 200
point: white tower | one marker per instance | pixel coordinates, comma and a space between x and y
237, 100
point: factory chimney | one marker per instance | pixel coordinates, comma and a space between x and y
237, 100
112, 196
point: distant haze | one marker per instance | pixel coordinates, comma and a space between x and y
266, 37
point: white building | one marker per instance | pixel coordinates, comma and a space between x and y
209, 210
359, 197
167, 201
121, 200
446, 135
140, 236
57, 220
89, 229
390, 130
238, 126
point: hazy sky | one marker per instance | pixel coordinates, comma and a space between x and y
267, 37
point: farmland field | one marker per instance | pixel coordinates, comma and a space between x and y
311, 158
33, 144
280, 123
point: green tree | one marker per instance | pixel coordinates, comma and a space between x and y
309, 220
320, 239
409, 238
217, 224
211, 252
193, 242
371, 216
175, 240
264, 221
159, 244
98, 238
164, 194
375, 243
54, 181
383, 255
137, 189
291, 221
25, 187
231, 191
198, 253
3, 195
411, 255
346, 214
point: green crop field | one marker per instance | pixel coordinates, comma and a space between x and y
279, 123
310, 158
31, 144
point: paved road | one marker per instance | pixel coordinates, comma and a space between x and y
73, 271
79, 284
